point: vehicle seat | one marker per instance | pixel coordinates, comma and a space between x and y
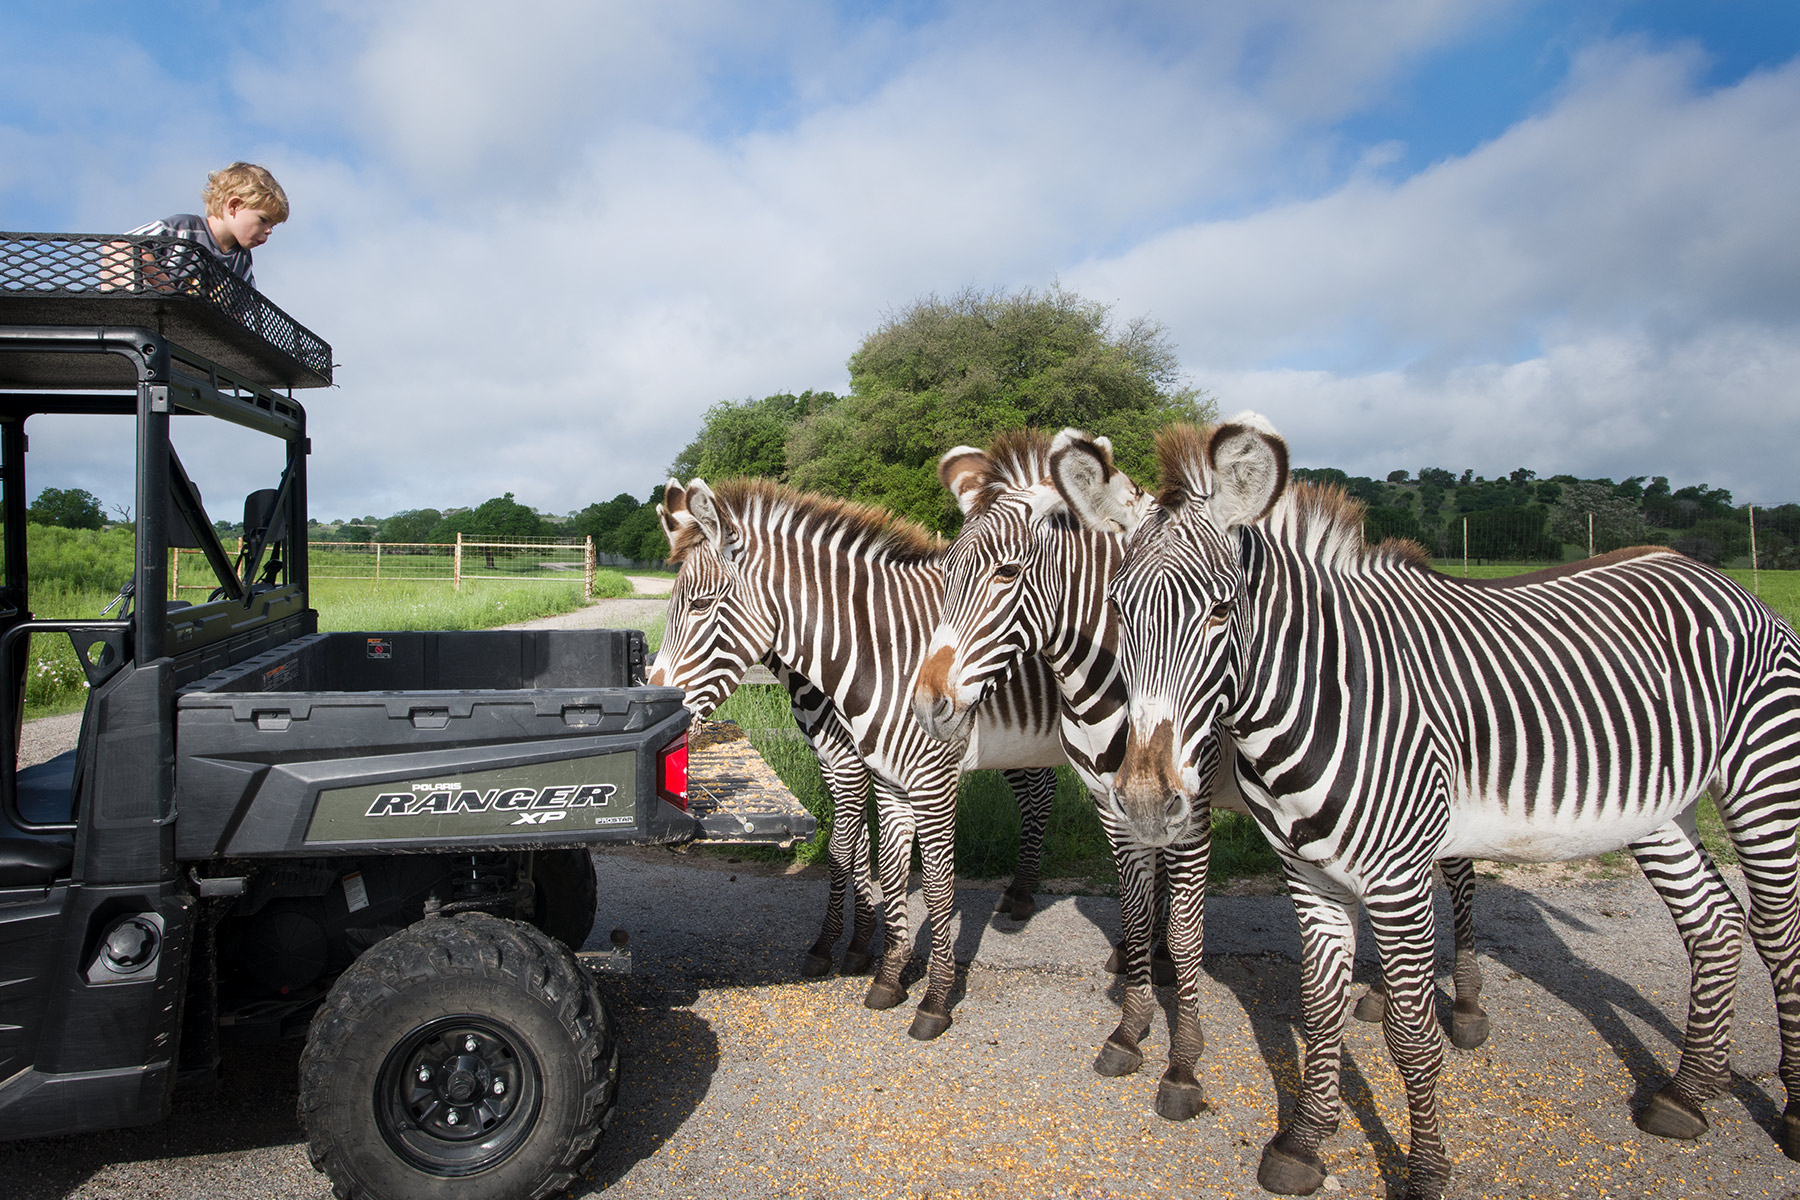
46, 794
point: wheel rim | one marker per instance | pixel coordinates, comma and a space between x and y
458, 1095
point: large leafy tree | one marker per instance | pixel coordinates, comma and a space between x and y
71, 508
501, 518
957, 371
410, 525
747, 437
1615, 520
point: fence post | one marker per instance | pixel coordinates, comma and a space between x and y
1590, 535
456, 568
175, 573
587, 568
1465, 547
1755, 575
377, 564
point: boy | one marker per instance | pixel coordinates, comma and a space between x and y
243, 205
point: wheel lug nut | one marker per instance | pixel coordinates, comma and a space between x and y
452, 1118
424, 1074
469, 1044
499, 1087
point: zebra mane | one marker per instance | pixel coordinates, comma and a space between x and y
1181, 465
1017, 459
1325, 524
1322, 522
764, 503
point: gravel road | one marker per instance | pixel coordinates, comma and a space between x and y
743, 1080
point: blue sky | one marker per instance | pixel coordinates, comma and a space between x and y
542, 243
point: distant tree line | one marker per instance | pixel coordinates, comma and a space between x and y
1521, 518
624, 525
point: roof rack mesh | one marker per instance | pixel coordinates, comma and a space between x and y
93, 265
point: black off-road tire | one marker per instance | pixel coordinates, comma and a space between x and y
567, 894
397, 1081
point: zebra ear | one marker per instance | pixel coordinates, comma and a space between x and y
672, 512
1249, 462
690, 507
705, 511
962, 471
1103, 497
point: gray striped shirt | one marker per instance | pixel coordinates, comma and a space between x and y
191, 228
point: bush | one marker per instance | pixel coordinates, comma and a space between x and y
610, 585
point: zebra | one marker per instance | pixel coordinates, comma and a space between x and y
1385, 714
843, 595
1024, 578
847, 854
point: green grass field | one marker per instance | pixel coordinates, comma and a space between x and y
54, 682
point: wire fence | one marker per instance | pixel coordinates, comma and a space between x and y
564, 561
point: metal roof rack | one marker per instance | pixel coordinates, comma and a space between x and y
166, 284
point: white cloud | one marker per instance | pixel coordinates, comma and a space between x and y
542, 244
1713, 408
1585, 293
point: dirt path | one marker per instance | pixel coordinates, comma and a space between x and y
744, 1080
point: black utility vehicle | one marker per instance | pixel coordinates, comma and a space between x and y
381, 839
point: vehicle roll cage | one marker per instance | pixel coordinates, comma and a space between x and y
102, 324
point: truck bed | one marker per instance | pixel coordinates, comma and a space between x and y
341, 742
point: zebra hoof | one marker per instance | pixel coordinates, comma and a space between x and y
813, 966
1670, 1115
1179, 1100
1290, 1169
1790, 1130
1468, 1030
857, 962
884, 995
1019, 908
1117, 1058
1115, 962
1372, 1007
927, 1025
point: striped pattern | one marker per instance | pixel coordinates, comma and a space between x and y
844, 597
1386, 715
1024, 577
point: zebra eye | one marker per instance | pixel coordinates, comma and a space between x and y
1006, 571
1220, 612
700, 603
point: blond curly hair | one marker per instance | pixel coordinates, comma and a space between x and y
252, 184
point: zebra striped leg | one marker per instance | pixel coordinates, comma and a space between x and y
1403, 919
1712, 926
1760, 805
1291, 1165
1468, 1021
1035, 790
847, 852
935, 805
1773, 878
1119, 1053
847, 859
1162, 966
1179, 1094
857, 957
895, 827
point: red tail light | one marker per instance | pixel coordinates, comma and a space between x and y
673, 786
